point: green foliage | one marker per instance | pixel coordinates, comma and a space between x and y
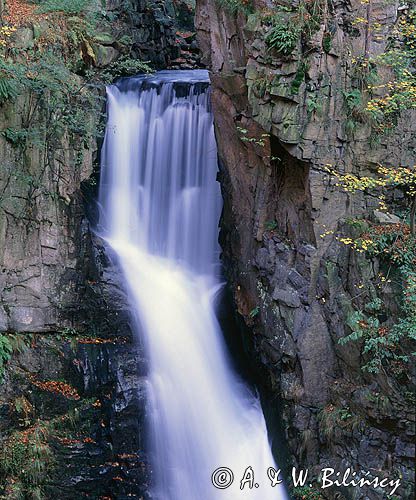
388, 344
20, 342
28, 464
254, 312
380, 401
299, 78
400, 93
282, 37
258, 141
8, 87
261, 86
67, 6
327, 42
353, 101
27, 457
306, 493
350, 126
24, 410
6, 350
364, 73
237, 6
289, 25
334, 419
16, 137
354, 107
124, 66
52, 83
314, 104
309, 15
9, 344
271, 225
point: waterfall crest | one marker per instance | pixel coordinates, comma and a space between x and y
161, 206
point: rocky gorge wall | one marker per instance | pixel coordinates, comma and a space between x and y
280, 119
73, 384
41, 202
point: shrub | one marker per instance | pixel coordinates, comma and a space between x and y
124, 66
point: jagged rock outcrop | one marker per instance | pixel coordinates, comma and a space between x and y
294, 288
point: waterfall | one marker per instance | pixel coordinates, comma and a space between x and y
161, 205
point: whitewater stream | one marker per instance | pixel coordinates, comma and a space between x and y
161, 206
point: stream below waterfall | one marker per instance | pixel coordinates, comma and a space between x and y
161, 206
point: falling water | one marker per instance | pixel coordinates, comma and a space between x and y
161, 209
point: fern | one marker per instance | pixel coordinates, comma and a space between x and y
283, 37
8, 89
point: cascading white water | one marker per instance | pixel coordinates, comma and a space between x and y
161, 206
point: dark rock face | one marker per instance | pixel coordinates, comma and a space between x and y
106, 456
102, 359
294, 288
113, 375
158, 31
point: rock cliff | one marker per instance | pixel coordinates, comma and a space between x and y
282, 115
63, 311
41, 202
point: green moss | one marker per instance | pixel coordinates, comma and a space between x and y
299, 78
327, 42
